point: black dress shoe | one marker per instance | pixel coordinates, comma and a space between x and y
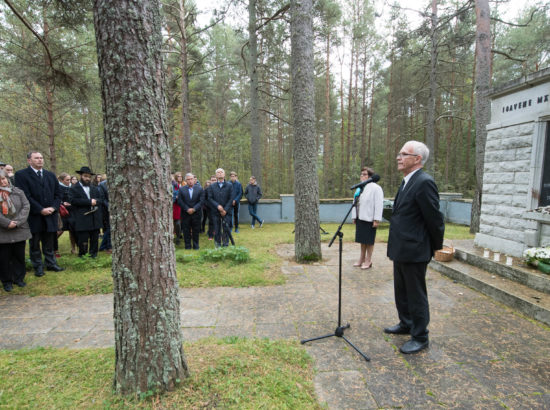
8, 287
397, 330
21, 283
413, 346
39, 273
55, 268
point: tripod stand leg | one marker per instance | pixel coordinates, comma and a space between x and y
316, 338
356, 349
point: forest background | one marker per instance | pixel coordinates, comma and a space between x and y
373, 76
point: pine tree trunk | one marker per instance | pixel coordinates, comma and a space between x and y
327, 141
185, 120
148, 338
483, 107
48, 90
306, 186
430, 127
255, 141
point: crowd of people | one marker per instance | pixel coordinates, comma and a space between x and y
217, 203
39, 206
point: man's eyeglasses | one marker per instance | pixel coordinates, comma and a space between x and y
406, 154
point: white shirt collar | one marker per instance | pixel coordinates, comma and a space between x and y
409, 176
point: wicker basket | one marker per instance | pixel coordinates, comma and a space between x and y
445, 254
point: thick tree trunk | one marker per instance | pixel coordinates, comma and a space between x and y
483, 107
255, 140
306, 187
185, 120
148, 338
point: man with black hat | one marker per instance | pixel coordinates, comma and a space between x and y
86, 203
44, 194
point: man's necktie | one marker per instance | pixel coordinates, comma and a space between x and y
40, 175
399, 192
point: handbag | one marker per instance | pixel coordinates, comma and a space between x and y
63, 212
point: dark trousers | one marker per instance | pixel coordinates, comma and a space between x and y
411, 298
191, 225
208, 215
177, 230
235, 220
12, 262
252, 209
221, 236
83, 238
47, 240
106, 240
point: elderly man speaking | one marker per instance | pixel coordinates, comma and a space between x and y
416, 231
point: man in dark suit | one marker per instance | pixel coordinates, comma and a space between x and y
221, 199
416, 231
44, 194
190, 200
86, 207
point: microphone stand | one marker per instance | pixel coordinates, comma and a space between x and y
339, 332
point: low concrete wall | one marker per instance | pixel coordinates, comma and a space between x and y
455, 209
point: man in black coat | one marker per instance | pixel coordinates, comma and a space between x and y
44, 195
86, 207
416, 231
221, 200
190, 199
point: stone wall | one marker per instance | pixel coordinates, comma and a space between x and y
506, 188
513, 166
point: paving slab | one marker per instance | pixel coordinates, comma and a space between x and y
482, 354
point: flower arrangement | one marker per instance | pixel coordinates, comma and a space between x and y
539, 257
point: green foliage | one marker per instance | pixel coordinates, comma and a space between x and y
228, 373
239, 254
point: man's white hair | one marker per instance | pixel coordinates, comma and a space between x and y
419, 148
220, 169
189, 174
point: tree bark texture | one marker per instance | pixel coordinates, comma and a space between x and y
307, 242
483, 105
148, 338
255, 140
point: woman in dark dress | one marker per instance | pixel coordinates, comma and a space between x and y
366, 217
14, 232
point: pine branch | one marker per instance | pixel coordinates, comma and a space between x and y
32, 30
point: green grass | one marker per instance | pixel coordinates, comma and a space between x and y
262, 266
229, 373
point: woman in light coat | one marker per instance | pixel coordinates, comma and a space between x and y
366, 217
14, 232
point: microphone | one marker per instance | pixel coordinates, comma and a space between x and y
374, 178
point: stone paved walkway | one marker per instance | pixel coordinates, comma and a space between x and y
482, 354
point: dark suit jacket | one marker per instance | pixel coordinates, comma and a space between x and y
185, 202
221, 196
417, 225
80, 204
41, 194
